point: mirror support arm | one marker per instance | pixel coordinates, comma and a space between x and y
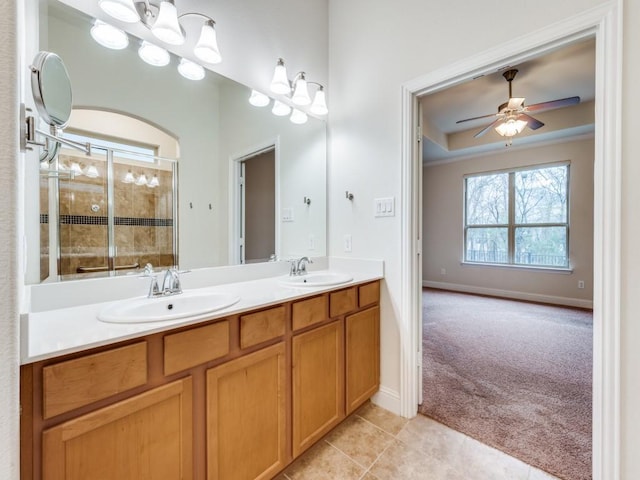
49, 153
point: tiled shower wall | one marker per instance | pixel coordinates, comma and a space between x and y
143, 218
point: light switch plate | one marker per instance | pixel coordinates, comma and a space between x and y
287, 214
384, 207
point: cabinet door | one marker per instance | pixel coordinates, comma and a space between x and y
362, 356
148, 436
246, 416
318, 384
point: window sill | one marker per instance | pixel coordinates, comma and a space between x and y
563, 270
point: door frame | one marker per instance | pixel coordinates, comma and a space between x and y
234, 194
605, 24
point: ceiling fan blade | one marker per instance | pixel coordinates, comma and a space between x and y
561, 102
532, 123
477, 118
515, 103
487, 128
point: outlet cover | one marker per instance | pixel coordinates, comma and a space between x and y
347, 243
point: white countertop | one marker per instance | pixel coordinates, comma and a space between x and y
56, 332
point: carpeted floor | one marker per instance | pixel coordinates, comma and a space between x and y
514, 375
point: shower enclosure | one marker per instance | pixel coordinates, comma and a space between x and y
116, 210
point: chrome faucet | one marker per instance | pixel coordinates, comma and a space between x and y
171, 283
299, 267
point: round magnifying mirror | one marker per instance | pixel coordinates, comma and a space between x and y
51, 89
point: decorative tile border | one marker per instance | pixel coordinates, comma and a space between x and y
44, 218
102, 220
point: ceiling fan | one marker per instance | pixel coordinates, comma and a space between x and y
513, 115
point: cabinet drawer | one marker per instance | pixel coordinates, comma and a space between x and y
309, 312
342, 302
84, 380
196, 346
368, 294
262, 326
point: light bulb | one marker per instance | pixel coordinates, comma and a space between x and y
280, 81
92, 172
190, 70
154, 182
280, 109
109, 36
258, 99
153, 54
141, 180
511, 127
75, 169
167, 28
123, 10
319, 105
207, 47
298, 117
128, 178
301, 92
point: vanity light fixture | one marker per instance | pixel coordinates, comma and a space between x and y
280, 82
298, 117
190, 70
258, 99
76, 169
141, 180
92, 172
301, 92
123, 10
298, 89
280, 109
153, 54
163, 21
319, 105
109, 36
128, 178
154, 182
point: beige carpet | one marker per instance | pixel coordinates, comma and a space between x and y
514, 375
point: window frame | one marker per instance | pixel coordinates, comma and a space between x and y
511, 226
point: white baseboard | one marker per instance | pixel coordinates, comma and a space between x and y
387, 399
495, 292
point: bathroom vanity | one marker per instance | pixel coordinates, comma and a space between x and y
238, 395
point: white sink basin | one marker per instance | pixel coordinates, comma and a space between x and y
186, 304
316, 279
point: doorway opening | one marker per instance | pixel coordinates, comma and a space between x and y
256, 213
604, 24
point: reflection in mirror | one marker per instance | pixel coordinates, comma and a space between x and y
215, 126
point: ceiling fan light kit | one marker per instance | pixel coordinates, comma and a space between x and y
513, 116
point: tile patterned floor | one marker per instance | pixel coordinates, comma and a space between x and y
374, 444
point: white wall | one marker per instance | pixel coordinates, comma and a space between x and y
443, 205
9, 284
373, 51
630, 298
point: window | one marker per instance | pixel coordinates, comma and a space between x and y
518, 217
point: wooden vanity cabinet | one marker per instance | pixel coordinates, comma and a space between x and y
318, 384
246, 416
236, 398
362, 363
147, 436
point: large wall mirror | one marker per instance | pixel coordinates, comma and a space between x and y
218, 135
